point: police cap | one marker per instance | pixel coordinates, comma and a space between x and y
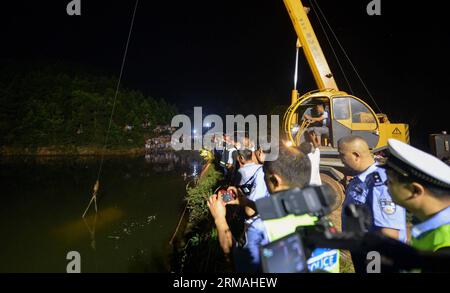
412, 162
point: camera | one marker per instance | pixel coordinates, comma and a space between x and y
286, 255
313, 200
290, 253
227, 195
314, 248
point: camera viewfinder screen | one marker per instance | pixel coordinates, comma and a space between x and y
284, 256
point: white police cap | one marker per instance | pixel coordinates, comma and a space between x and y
420, 164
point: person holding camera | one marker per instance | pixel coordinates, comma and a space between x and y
367, 188
251, 186
420, 182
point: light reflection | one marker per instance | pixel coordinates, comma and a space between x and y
195, 169
76, 229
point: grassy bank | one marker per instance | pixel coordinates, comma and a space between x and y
196, 248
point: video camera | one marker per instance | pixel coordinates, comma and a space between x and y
290, 254
314, 200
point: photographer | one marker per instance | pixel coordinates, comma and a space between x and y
251, 186
291, 169
421, 183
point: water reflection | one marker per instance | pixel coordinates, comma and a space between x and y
91, 230
76, 229
169, 161
139, 201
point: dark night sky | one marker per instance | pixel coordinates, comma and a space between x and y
238, 56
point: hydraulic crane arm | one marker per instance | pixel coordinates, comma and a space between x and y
311, 47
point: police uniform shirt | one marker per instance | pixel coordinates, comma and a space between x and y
433, 233
368, 189
438, 220
259, 187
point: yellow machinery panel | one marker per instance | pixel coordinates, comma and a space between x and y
398, 131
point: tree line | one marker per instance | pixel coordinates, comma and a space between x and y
53, 107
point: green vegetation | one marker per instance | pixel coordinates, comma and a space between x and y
201, 251
197, 196
65, 108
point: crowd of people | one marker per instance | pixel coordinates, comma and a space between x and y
410, 179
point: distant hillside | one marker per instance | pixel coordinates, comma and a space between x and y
67, 108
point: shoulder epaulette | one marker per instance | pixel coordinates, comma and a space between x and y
374, 179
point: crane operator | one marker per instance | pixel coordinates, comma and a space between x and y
318, 126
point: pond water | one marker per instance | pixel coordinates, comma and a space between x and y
139, 204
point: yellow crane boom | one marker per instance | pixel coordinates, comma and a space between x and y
311, 47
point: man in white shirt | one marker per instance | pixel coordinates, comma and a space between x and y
313, 152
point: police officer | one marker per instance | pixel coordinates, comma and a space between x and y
368, 189
420, 182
